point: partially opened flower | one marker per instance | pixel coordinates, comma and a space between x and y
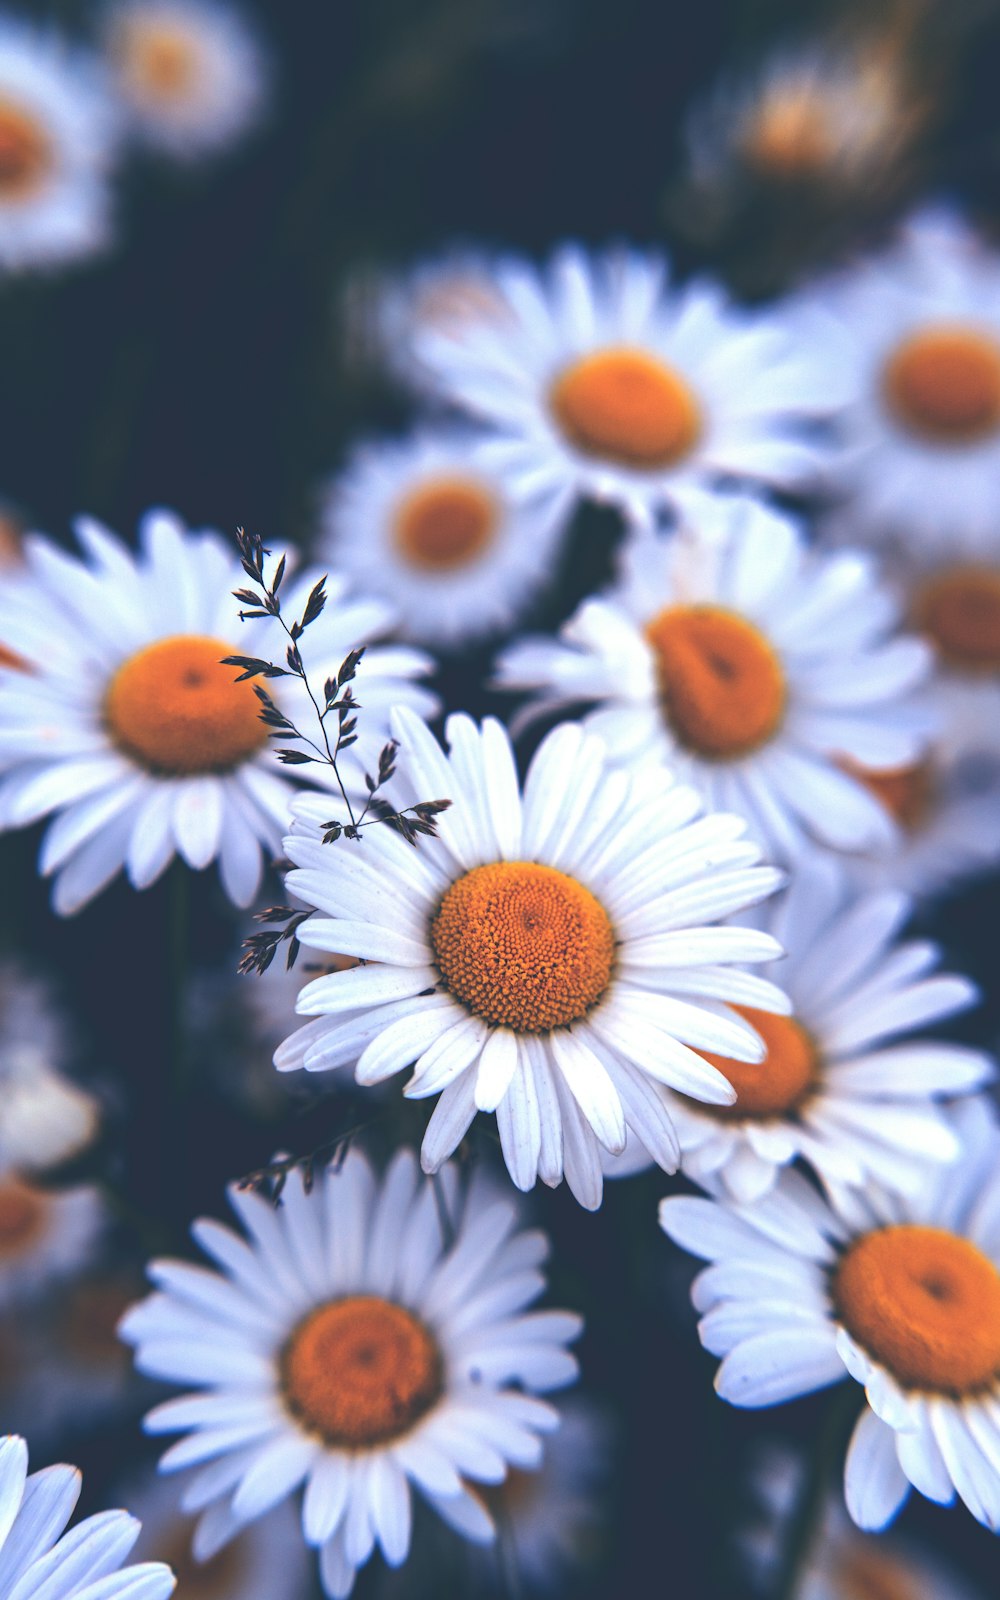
429, 524
751, 664
842, 1085
606, 382
191, 76
902, 1295
57, 148
39, 1560
129, 727
549, 957
369, 1337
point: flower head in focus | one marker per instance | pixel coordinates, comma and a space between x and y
369, 1337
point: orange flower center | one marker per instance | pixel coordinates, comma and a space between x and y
361, 1371
944, 384
959, 611
159, 63
626, 406
790, 136
906, 792
23, 1212
721, 683
175, 708
523, 946
779, 1084
25, 152
925, 1304
445, 524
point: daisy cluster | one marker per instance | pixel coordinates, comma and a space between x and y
655, 912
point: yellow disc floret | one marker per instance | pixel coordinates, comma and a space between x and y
776, 1086
445, 524
25, 152
174, 708
943, 384
626, 406
360, 1371
925, 1304
959, 611
721, 683
523, 945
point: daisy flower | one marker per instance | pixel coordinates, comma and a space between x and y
752, 665
85, 1564
902, 1295
130, 728
266, 1561
842, 1085
57, 147
351, 1347
191, 76
45, 1119
606, 382
45, 1235
433, 528
547, 957
919, 330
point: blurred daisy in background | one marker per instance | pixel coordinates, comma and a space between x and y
841, 1085
130, 728
902, 1295
605, 382
371, 1335
37, 1558
45, 1118
549, 956
57, 149
268, 1560
45, 1235
429, 524
749, 663
918, 339
191, 76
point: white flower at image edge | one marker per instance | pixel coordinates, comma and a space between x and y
84, 1564
549, 957
118, 715
900, 1294
350, 1347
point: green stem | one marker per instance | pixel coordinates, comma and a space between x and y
822, 1467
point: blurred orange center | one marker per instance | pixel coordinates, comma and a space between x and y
944, 384
11, 659
360, 1371
176, 709
626, 406
906, 792
925, 1304
445, 524
779, 1083
789, 136
866, 1574
25, 152
959, 611
721, 683
22, 1217
523, 946
160, 64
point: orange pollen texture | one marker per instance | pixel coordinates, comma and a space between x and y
524, 946
721, 683
925, 1304
626, 406
175, 708
23, 1211
944, 384
906, 792
776, 1086
959, 612
361, 1371
445, 524
25, 152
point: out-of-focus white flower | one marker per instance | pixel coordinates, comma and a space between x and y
57, 148
902, 1295
749, 663
604, 381
550, 956
45, 1235
352, 1348
268, 1560
130, 728
44, 1118
191, 75
429, 524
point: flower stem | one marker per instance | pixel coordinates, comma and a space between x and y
807, 1517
